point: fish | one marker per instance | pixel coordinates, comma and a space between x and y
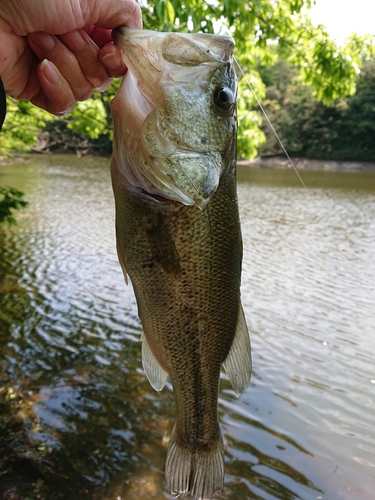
178, 233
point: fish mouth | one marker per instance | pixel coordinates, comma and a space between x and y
158, 161
187, 177
154, 197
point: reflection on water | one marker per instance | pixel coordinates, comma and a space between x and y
77, 416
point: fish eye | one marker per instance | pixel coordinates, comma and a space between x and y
223, 98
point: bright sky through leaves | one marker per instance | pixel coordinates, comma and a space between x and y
342, 17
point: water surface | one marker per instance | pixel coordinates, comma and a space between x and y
78, 418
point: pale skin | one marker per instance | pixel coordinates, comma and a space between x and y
56, 52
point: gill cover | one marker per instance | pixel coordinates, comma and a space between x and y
174, 113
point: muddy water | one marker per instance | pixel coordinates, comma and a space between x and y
78, 418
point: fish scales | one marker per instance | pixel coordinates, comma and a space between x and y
183, 255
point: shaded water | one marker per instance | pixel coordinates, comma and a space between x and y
78, 418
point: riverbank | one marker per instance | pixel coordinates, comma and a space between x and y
12, 158
307, 164
268, 162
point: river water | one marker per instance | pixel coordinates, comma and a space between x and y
78, 417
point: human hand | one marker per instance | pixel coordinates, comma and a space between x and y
58, 56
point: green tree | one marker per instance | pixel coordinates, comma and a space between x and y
355, 138
277, 79
22, 126
343, 130
265, 31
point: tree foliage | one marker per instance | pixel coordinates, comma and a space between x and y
265, 31
343, 130
22, 126
10, 199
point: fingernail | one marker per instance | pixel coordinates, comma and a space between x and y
44, 41
112, 61
74, 40
49, 71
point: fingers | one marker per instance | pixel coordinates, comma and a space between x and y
62, 16
55, 72
115, 13
55, 95
99, 35
110, 56
72, 67
86, 53
50, 47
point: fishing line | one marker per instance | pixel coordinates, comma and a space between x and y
269, 122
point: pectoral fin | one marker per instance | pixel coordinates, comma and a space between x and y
238, 362
156, 375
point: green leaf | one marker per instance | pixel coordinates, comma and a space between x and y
10, 199
170, 11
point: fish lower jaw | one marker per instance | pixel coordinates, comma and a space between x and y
155, 187
154, 197
161, 198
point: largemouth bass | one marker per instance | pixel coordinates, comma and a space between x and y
178, 233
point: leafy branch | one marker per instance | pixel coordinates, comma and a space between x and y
10, 199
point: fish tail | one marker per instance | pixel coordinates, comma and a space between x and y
200, 473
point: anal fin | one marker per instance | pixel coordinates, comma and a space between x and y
156, 375
238, 362
121, 260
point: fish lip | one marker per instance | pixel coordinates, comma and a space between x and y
142, 193
157, 202
119, 31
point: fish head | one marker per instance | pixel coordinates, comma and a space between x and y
175, 114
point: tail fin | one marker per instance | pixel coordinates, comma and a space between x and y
200, 473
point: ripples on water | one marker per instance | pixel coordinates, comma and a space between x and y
77, 410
